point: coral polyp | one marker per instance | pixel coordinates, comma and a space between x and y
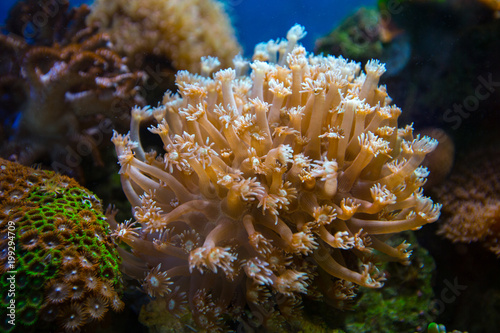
64, 262
273, 186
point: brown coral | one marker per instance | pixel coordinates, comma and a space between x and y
69, 90
96, 307
41, 23
471, 199
272, 186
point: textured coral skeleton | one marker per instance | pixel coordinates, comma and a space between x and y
273, 186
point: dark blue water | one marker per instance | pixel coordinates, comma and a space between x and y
261, 20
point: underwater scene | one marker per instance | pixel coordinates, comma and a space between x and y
250, 166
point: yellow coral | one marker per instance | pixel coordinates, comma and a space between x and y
272, 185
182, 31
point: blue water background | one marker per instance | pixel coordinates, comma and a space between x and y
261, 20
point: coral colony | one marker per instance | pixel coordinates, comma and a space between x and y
65, 267
273, 186
472, 200
60, 83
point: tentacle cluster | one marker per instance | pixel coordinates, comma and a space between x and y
277, 180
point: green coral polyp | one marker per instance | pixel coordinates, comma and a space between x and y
37, 269
21, 279
54, 231
29, 315
37, 282
35, 298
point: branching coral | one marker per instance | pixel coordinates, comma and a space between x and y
472, 201
68, 88
65, 263
272, 186
180, 31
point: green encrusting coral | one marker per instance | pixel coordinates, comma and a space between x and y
65, 265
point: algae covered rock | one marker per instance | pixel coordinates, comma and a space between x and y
404, 305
